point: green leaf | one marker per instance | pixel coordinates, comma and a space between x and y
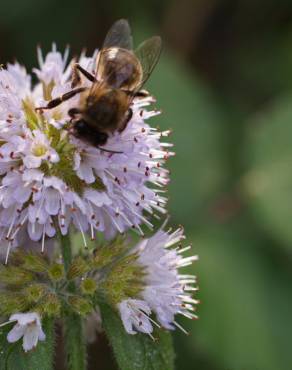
137, 352
13, 357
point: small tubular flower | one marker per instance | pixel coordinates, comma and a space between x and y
29, 327
135, 316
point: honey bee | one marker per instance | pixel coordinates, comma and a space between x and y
120, 73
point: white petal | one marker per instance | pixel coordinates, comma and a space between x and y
15, 333
54, 157
30, 161
32, 175
85, 173
52, 202
97, 198
35, 231
30, 338
21, 194
25, 318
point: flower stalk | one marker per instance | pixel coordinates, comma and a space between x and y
75, 346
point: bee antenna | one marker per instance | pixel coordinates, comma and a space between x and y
108, 150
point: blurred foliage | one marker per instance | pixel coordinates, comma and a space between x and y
224, 85
268, 182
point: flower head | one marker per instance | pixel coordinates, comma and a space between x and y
166, 291
50, 179
29, 327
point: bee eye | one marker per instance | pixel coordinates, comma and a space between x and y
102, 137
80, 127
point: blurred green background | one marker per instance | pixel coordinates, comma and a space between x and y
224, 84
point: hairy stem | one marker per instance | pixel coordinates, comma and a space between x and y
75, 346
65, 244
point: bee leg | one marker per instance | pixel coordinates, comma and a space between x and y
101, 140
138, 94
128, 117
57, 101
76, 79
142, 94
108, 150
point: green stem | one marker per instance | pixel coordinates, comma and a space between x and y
75, 346
65, 244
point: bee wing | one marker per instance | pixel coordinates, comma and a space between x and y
119, 35
148, 54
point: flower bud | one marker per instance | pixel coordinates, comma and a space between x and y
12, 303
34, 262
34, 292
77, 268
80, 305
88, 286
51, 305
56, 272
105, 254
12, 275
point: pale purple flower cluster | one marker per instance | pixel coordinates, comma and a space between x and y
33, 199
50, 180
166, 292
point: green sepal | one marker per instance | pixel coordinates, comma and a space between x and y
34, 262
12, 302
105, 254
13, 275
77, 268
124, 279
32, 118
